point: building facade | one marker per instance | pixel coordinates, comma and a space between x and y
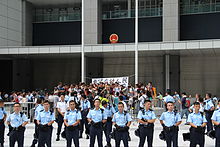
179, 46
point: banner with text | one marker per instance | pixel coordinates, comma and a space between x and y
119, 80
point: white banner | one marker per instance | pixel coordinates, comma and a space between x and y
119, 80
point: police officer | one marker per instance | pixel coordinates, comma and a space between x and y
146, 118
16, 122
197, 131
39, 107
168, 98
61, 108
122, 121
109, 110
170, 120
96, 118
3, 116
85, 106
45, 119
209, 109
71, 120
216, 121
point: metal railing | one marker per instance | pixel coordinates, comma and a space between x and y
199, 8
27, 108
58, 17
149, 12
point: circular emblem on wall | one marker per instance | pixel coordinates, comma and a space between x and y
113, 38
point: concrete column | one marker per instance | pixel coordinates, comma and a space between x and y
93, 22
170, 20
27, 20
129, 8
167, 72
172, 72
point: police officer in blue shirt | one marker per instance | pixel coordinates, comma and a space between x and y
146, 118
209, 109
71, 120
170, 121
3, 116
85, 106
96, 118
122, 121
39, 107
45, 119
197, 131
109, 110
16, 122
216, 121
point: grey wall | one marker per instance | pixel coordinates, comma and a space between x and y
150, 69
175, 73
48, 72
21, 74
94, 68
200, 74
10, 23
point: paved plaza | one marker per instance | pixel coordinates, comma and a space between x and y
133, 143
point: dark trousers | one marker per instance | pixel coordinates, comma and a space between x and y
217, 134
208, 116
60, 123
146, 132
107, 131
36, 132
45, 138
121, 136
72, 135
84, 122
171, 137
96, 131
16, 136
196, 138
2, 132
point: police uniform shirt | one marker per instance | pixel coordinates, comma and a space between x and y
196, 118
170, 118
216, 116
109, 110
45, 117
62, 106
208, 104
2, 113
148, 115
38, 108
17, 119
121, 118
97, 115
72, 116
169, 98
85, 104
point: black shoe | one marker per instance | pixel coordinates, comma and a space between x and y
87, 136
58, 138
129, 138
108, 145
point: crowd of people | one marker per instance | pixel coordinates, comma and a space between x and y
96, 108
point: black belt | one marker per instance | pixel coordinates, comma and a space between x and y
1, 121
109, 119
209, 111
72, 128
170, 129
149, 125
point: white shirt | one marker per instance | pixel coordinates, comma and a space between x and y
125, 106
62, 106
141, 99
